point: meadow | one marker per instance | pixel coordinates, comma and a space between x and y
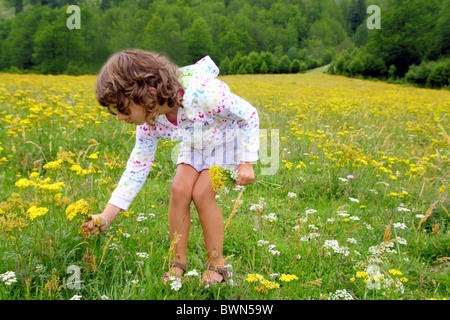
355, 206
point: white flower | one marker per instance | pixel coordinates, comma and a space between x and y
341, 294
402, 208
292, 195
143, 255
175, 285
343, 179
354, 218
8, 277
75, 297
262, 242
270, 216
313, 227
274, 275
192, 273
141, 217
126, 235
342, 213
400, 225
274, 252
310, 211
104, 297
420, 216
334, 245
352, 240
256, 207
353, 199
368, 226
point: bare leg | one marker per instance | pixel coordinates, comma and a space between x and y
179, 211
211, 220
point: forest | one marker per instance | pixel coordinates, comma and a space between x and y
243, 37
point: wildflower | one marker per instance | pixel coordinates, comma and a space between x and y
24, 183
104, 297
341, 294
271, 217
80, 208
399, 225
403, 279
192, 273
34, 212
395, 272
93, 155
362, 274
350, 176
353, 199
221, 177
9, 277
288, 277
53, 165
253, 277
175, 285
143, 255
292, 195
76, 297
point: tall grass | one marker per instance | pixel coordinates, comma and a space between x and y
361, 190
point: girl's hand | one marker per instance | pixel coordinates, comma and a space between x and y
246, 174
100, 222
97, 224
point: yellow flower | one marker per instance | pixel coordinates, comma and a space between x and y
221, 176
53, 165
79, 208
93, 156
24, 183
403, 279
362, 274
395, 272
253, 277
288, 277
34, 212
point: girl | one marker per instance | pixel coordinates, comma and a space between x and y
191, 105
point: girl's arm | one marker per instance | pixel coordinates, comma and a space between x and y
137, 169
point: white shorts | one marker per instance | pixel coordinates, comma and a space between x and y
225, 155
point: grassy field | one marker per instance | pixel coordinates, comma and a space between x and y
352, 205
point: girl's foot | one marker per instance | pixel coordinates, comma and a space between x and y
176, 270
215, 274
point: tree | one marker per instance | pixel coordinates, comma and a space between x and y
268, 59
284, 65
198, 40
357, 14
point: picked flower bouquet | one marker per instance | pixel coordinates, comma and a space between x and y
222, 178
81, 211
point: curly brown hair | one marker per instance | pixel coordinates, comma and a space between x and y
128, 75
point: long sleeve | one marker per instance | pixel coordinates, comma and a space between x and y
224, 104
137, 169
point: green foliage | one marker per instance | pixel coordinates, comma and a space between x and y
315, 33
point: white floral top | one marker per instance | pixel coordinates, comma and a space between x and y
210, 113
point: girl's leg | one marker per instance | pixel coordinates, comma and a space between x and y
179, 211
211, 219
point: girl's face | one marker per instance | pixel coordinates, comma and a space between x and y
136, 116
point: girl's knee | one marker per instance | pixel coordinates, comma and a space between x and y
202, 194
181, 191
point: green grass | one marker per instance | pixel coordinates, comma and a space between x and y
41, 251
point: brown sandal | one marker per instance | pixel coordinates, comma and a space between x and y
178, 265
220, 270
